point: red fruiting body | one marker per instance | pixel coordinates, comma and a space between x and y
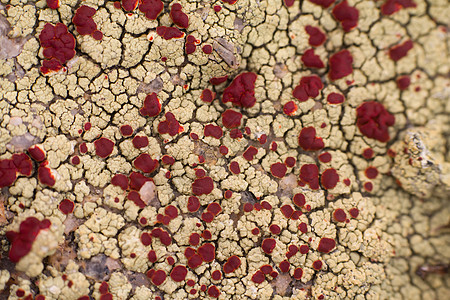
178, 273
290, 108
66, 206
45, 175
373, 120
52, 65
241, 92
193, 204
168, 160
235, 133
194, 136
323, 3
248, 207
347, 182
140, 142
75, 160
22, 241
194, 239
278, 170
312, 60
151, 8
151, 256
309, 174
339, 215
304, 249
163, 236
36, 153
347, 15
213, 130
103, 147
234, 167
207, 96
308, 140
120, 180
400, 51
392, 6
329, 179
200, 173
262, 139
287, 210
308, 87
146, 239
104, 287
403, 82
289, 3
326, 245
202, 186
266, 269
228, 194
217, 8
206, 234
169, 33
275, 229
268, 245
325, 157
59, 46
214, 208
335, 98
216, 275
126, 130
170, 125
354, 212
179, 17
371, 172
207, 252
232, 264
316, 36
218, 80
190, 45
317, 265
340, 65
292, 250
284, 266
299, 200
231, 2
258, 277
257, 206
250, 153
303, 227
137, 180
367, 153
171, 211
207, 49
22, 163
107, 296
159, 277
53, 4
151, 107
136, 198
298, 273
97, 35
296, 215
129, 5
145, 163
83, 20
290, 161
213, 292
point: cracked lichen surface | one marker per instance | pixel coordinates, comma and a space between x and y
381, 231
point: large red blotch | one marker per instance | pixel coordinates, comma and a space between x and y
231, 118
241, 92
213, 131
170, 125
309, 86
312, 60
316, 36
103, 147
202, 186
373, 120
392, 6
58, 44
232, 264
309, 174
145, 163
178, 16
8, 172
83, 20
45, 174
151, 8
329, 179
308, 140
23, 163
22, 241
168, 33
347, 15
151, 107
340, 65
400, 51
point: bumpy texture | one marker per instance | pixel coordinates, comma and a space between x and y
224, 149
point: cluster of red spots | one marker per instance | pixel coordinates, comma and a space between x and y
103, 147
22, 241
312, 60
207, 49
213, 131
260, 275
367, 153
335, 98
45, 174
59, 47
103, 289
163, 236
170, 125
354, 212
399, 51
316, 36
135, 182
53, 4
212, 210
309, 174
248, 207
289, 213
152, 106
340, 65
218, 80
323, 3
66, 206
290, 108
178, 16
207, 96
373, 120
308, 140
329, 178
392, 6
202, 186
403, 82
205, 253
339, 215
241, 92
371, 172
278, 169
145, 163
308, 87
250, 153
233, 262
191, 44
170, 213
234, 167
169, 33
19, 163
347, 15
84, 23
151, 8
157, 277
